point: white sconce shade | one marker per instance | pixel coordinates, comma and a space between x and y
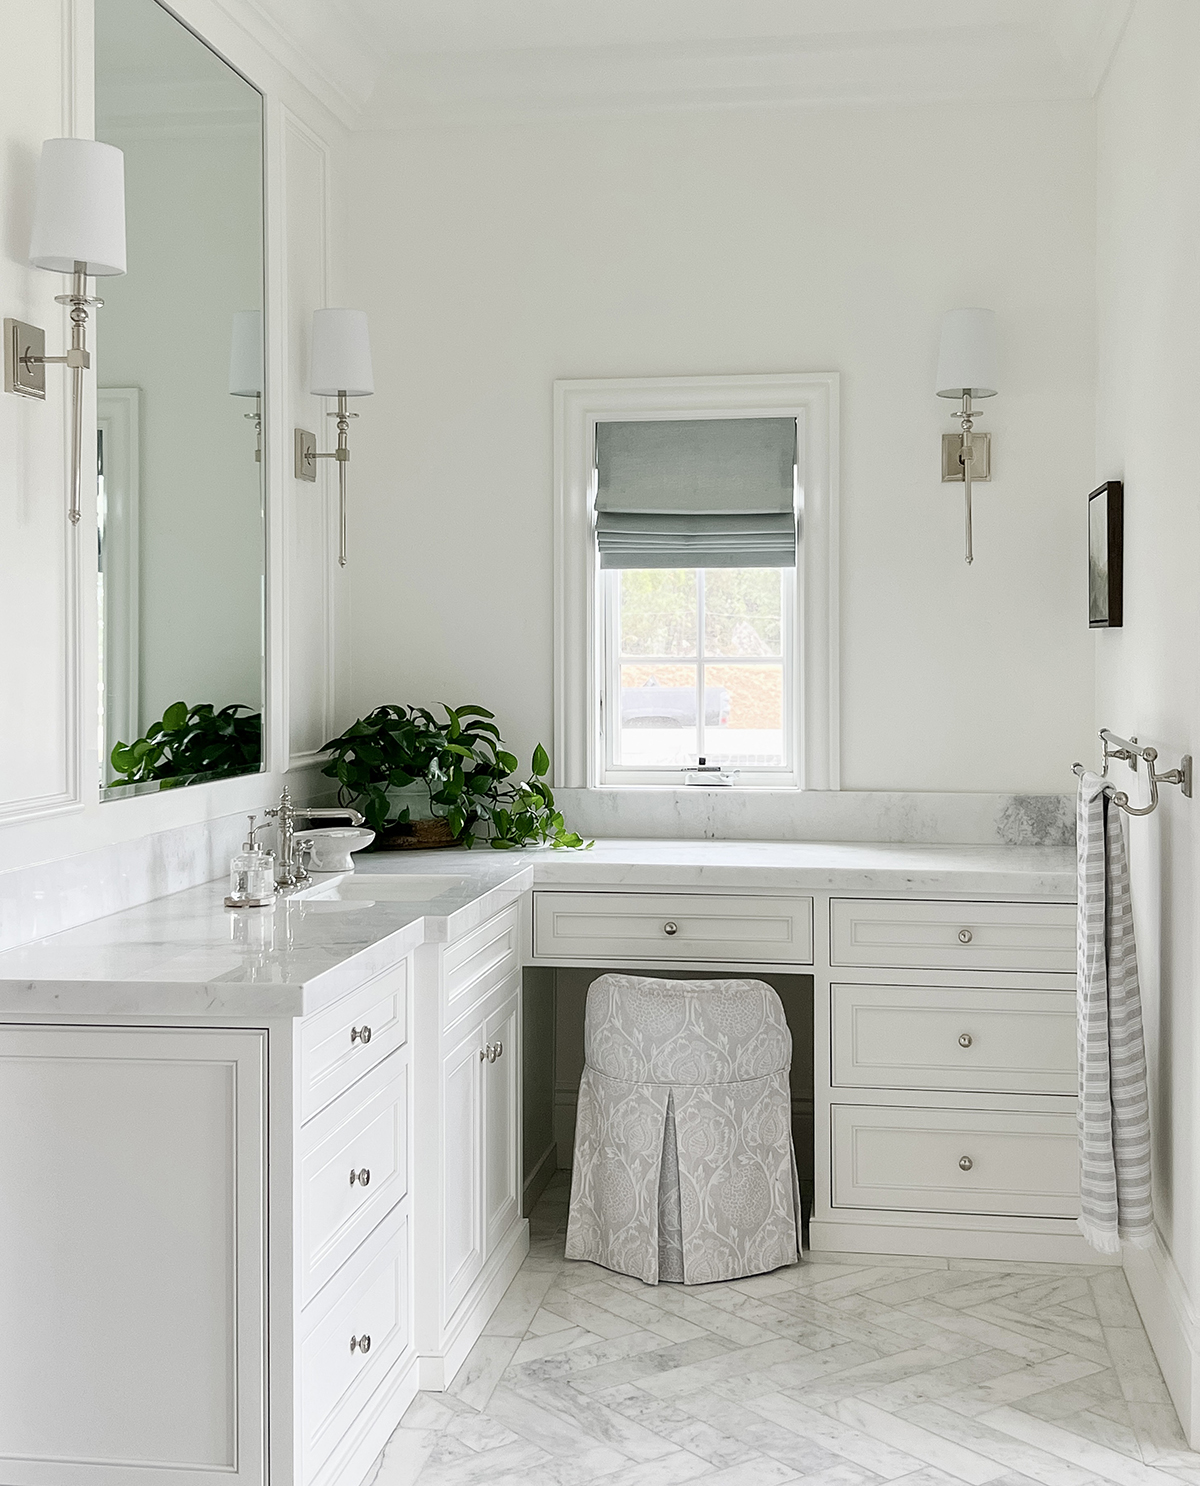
341, 354
246, 354
967, 363
79, 208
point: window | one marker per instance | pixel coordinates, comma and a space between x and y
700, 666
695, 592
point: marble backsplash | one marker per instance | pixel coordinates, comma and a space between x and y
693, 813
44, 899
40, 900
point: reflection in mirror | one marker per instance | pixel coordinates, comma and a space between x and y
182, 547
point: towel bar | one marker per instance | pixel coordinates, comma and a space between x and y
1131, 752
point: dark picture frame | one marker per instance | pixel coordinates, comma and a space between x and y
1106, 555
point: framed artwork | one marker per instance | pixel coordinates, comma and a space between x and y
1106, 552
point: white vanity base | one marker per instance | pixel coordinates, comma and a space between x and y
238, 1148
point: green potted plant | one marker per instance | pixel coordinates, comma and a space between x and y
460, 766
190, 744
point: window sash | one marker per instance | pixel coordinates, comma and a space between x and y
785, 774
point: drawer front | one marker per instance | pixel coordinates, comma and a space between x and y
898, 934
364, 1133
673, 926
476, 964
999, 1162
341, 1044
930, 1037
373, 1303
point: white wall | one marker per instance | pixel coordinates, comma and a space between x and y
495, 258
1146, 672
49, 791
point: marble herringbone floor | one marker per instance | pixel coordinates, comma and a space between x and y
844, 1371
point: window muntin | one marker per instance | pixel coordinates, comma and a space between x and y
699, 664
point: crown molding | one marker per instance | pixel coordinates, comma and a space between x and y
963, 64
359, 66
322, 43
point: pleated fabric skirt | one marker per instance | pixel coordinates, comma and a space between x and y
690, 1178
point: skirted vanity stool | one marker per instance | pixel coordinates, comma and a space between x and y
684, 1164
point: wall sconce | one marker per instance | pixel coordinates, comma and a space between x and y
78, 229
341, 368
967, 369
246, 366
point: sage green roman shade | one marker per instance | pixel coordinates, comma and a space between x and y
696, 493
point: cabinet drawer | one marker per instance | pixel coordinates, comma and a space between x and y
1020, 1165
365, 1132
932, 1037
346, 1040
372, 1301
476, 964
897, 934
672, 926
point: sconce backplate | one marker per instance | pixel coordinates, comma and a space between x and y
306, 455
25, 378
981, 444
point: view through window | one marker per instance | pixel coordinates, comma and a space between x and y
701, 663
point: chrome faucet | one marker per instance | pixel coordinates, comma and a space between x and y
291, 872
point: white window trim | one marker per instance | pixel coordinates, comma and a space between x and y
809, 397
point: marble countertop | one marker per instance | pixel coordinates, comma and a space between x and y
188, 955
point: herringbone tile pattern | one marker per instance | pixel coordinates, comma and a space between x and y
846, 1371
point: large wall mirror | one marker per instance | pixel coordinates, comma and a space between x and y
179, 373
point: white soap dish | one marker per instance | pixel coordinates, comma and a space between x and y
331, 848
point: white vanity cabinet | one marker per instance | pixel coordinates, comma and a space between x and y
469, 1153
132, 1256
205, 1251
946, 1107
944, 1047
348, 1244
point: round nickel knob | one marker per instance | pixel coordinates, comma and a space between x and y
965, 936
361, 1343
363, 1177
965, 1040
965, 1163
670, 928
360, 1034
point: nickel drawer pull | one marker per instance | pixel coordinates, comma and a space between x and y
965, 1163
965, 936
670, 928
363, 1177
361, 1343
360, 1034
965, 1040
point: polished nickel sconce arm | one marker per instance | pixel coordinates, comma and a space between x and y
24, 355
307, 456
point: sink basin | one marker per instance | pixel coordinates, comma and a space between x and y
382, 887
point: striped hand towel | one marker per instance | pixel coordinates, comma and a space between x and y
1114, 1113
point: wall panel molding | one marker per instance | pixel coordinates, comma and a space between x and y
309, 515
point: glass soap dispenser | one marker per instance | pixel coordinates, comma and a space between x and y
252, 874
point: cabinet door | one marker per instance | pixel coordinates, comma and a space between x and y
501, 1129
462, 1161
132, 1252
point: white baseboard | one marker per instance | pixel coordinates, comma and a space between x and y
539, 1178
437, 1370
1172, 1325
945, 1241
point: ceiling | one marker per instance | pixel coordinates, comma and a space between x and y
383, 63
